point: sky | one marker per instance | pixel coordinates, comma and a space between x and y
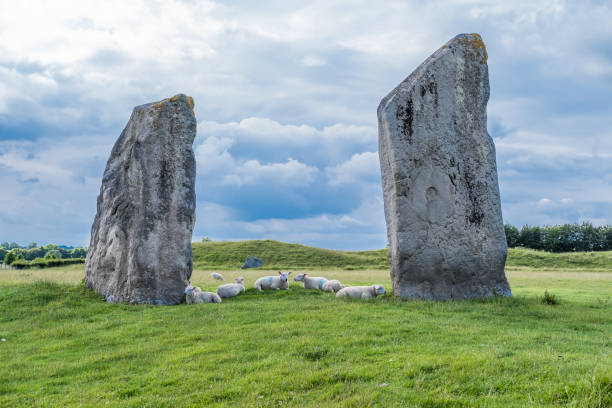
285, 98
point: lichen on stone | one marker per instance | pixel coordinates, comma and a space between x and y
175, 98
474, 41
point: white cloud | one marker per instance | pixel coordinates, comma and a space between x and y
216, 164
363, 228
363, 167
252, 172
313, 61
264, 130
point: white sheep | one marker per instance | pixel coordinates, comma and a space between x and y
273, 282
216, 276
362, 292
332, 286
194, 294
311, 282
231, 289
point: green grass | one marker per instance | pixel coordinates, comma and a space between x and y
279, 255
521, 257
66, 347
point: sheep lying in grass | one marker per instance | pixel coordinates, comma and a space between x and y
273, 282
194, 294
310, 282
332, 286
216, 276
231, 289
362, 292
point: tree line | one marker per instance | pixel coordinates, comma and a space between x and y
561, 238
39, 255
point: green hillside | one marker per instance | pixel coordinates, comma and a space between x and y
281, 255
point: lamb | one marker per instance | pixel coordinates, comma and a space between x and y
314, 282
273, 282
362, 292
332, 286
231, 289
194, 294
216, 276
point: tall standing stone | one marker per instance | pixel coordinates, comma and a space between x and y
140, 250
439, 177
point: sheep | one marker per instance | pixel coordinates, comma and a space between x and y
231, 289
273, 282
194, 294
216, 276
362, 292
314, 282
332, 286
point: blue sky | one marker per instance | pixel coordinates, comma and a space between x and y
286, 95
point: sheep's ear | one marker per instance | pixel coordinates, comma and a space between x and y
289, 273
280, 273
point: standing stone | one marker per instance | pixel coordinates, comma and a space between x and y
439, 177
140, 250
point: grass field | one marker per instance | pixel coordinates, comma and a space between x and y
280, 255
65, 347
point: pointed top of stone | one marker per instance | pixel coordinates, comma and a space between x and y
176, 99
467, 46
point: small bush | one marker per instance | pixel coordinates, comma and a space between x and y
549, 298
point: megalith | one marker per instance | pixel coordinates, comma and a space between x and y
439, 178
140, 248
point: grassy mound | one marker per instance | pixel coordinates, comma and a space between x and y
280, 255
521, 257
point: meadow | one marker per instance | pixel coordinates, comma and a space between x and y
66, 347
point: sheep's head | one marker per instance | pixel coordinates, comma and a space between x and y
240, 280
284, 276
188, 290
299, 277
380, 290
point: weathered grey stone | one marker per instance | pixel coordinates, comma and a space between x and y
439, 177
140, 250
252, 262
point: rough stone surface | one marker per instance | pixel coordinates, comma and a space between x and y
439, 177
252, 262
140, 250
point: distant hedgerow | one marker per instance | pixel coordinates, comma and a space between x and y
45, 263
561, 238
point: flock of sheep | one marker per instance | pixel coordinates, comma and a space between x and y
194, 294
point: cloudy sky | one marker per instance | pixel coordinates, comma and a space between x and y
286, 95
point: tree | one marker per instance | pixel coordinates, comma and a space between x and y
530, 237
512, 235
32, 245
53, 254
10, 257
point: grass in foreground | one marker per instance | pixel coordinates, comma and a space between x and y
65, 347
